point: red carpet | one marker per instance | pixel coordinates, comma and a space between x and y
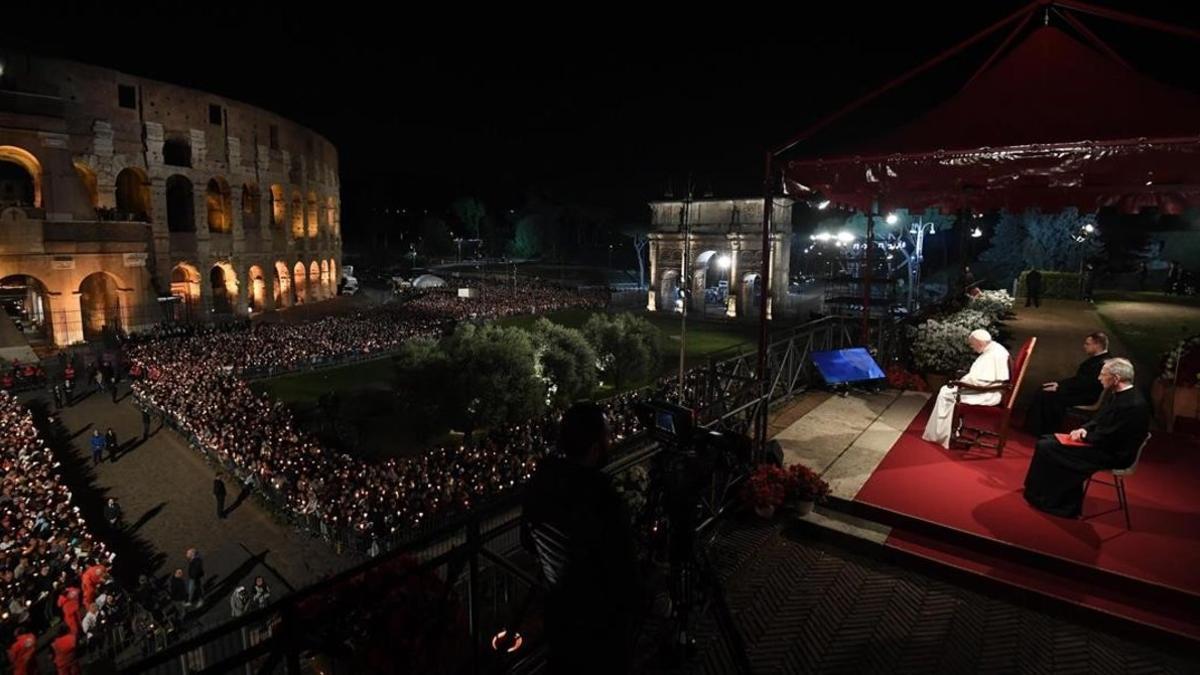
979, 494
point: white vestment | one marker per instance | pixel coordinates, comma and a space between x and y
990, 367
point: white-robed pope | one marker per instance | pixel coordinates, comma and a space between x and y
989, 368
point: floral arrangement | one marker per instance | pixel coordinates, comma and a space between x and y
1171, 361
632, 485
898, 377
993, 304
940, 345
766, 488
805, 485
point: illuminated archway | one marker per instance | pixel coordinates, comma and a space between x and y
311, 216
330, 217
220, 213
283, 285
26, 298
326, 289
223, 281
314, 282
185, 285
99, 305
278, 207
300, 283
133, 194
20, 177
256, 298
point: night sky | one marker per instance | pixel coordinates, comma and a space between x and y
594, 103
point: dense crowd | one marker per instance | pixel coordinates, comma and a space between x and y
50, 563
199, 380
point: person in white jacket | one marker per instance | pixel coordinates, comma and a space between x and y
989, 368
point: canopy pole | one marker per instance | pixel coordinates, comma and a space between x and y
1003, 45
760, 427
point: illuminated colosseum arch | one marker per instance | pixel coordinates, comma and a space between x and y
335, 281
185, 285
256, 295
311, 216
223, 281
330, 217
218, 200
133, 193
325, 279
99, 305
251, 204
314, 282
32, 302
181, 215
297, 216
88, 178
278, 207
300, 283
20, 177
283, 285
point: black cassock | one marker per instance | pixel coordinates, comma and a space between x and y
1046, 413
1056, 475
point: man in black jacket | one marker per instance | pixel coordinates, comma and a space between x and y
1050, 403
581, 531
1057, 472
1033, 288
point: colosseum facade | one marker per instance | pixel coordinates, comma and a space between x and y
125, 202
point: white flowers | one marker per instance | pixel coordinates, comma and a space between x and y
940, 346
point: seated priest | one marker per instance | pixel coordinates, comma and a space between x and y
1110, 440
989, 368
1051, 402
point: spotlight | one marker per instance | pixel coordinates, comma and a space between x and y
976, 233
1089, 228
723, 262
845, 237
892, 219
823, 204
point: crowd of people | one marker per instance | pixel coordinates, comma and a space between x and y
199, 381
54, 571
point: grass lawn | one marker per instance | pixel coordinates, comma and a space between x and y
366, 415
1149, 324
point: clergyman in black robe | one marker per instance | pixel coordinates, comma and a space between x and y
1057, 472
1050, 403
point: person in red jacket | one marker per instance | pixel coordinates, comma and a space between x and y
21, 653
68, 602
92, 578
64, 652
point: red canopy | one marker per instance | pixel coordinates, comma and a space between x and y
1051, 124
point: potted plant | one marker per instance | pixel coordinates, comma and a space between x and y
765, 490
805, 487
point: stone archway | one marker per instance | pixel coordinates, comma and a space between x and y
315, 290
256, 298
181, 215
325, 285
283, 285
300, 283
20, 177
26, 299
90, 183
250, 207
219, 201
669, 290
99, 305
133, 194
223, 282
751, 295
185, 285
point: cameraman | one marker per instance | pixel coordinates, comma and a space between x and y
571, 508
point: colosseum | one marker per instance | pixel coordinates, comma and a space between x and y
126, 202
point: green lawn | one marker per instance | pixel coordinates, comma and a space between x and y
366, 414
1149, 324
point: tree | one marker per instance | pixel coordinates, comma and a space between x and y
1040, 240
565, 361
426, 408
435, 236
527, 238
627, 347
494, 376
471, 215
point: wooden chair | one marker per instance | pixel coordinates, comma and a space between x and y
997, 417
1118, 482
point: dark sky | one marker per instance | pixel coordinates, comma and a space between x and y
593, 102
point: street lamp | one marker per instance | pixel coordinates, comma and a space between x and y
892, 219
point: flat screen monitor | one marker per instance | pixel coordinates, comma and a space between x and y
844, 366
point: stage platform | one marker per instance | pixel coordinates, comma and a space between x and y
963, 510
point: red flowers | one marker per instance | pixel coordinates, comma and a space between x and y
805, 485
766, 487
899, 378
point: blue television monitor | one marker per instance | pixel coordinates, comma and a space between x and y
845, 366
